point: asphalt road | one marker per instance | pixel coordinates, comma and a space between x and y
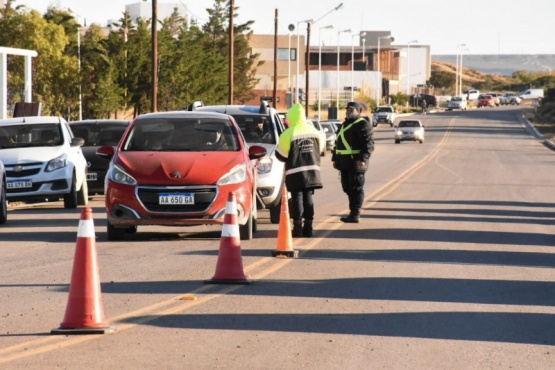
451, 267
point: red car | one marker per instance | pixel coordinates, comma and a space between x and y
178, 168
486, 101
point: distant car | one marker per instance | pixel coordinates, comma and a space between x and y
496, 98
416, 100
3, 200
409, 130
314, 122
486, 101
384, 114
330, 130
178, 169
457, 102
97, 133
260, 125
43, 161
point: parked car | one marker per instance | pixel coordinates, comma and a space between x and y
457, 102
531, 94
43, 161
416, 100
509, 98
178, 168
97, 133
330, 130
3, 200
485, 100
384, 114
314, 122
260, 125
496, 98
472, 95
409, 130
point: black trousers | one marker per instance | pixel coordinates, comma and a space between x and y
302, 205
352, 183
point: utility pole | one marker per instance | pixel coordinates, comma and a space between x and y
154, 25
274, 95
231, 52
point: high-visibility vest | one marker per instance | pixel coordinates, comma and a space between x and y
340, 136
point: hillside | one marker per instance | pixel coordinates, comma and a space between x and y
471, 76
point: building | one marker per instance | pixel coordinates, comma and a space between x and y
144, 10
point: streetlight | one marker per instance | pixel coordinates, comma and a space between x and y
408, 64
297, 56
457, 69
391, 39
360, 35
337, 85
291, 28
320, 65
461, 70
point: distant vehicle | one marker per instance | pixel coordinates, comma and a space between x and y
330, 130
485, 100
472, 95
314, 122
384, 114
260, 125
531, 94
509, 98
416, 100
409, 130
97, 133
3, 200
178, 169
496, 98
457, 102
43, 161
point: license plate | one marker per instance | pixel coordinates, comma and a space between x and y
180, 199
92, 176
20, 184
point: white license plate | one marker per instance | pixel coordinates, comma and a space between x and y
21, 184
92, 176
180, 199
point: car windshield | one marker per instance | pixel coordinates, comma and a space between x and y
181, 134
256, 129
409, 124
384, 110
24, 135
456, 98
98, 135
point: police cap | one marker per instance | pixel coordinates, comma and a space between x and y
355, 105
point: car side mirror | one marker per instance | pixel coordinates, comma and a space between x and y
255, 152
105, 152
77, 141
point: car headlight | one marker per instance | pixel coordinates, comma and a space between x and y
398, 133
117, 174
57, 163
236, 175
265, 165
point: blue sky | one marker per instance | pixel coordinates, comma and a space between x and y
486, 27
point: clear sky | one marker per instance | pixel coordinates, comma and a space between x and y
485, 26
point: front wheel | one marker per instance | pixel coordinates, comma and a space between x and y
246, 230
3, 206
70, 199
275, 213
115, 233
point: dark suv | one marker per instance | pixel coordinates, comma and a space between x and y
415, 100
260, 125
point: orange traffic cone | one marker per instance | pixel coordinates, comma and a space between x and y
285, 240
84, 311
229, 269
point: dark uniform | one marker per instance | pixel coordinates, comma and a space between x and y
353, 148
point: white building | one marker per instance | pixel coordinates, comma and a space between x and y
144, 10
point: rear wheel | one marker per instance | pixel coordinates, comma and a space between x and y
397, 141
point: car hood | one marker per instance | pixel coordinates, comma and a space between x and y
30, 154
195, 168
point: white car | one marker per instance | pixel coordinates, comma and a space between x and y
409, 130
43, 161
316, 124
457, 102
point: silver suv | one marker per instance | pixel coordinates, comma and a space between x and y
260, 125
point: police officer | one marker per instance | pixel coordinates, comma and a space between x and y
300, 147
353, 147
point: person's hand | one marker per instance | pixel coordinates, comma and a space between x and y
360, 165
334, 164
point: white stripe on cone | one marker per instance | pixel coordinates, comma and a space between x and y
233, 229
86, 229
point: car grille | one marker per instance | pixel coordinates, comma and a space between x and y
28, 169
204, 196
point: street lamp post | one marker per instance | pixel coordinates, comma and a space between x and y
457, 71
297, 56
461, 70
337, 84
391, 39
353, 65
408, 64
320, 66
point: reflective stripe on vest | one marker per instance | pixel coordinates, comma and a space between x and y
347, 150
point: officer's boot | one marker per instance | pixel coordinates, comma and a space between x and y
352, 218
297, 228
307, 228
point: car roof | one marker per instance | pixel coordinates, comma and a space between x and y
32, 120
183, 114
122, 122
234, 109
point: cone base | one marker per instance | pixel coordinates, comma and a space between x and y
228, 281
278, 253
77, 331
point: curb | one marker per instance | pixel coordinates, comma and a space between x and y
548, 143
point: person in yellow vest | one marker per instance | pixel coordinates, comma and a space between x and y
353, 147
299, 147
